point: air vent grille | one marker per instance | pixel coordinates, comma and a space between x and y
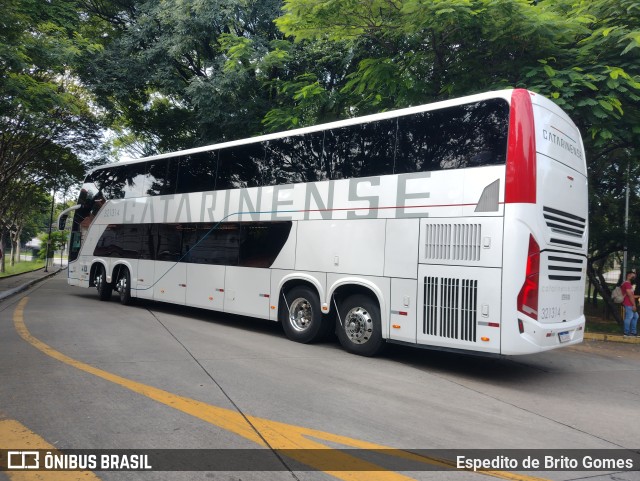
567, 269
450, 308
564, 224
453, 242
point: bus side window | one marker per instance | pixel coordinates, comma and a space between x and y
161, 177
296, 159
149, 235
471, 135
362, 150
197, 172
107, 244
261, 242
169, 243
133, 179
241, 166
208, 244
130, 241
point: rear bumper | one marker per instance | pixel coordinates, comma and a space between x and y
538, 337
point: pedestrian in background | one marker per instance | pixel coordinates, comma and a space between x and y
629, 303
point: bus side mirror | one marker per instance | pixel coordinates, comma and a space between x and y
62, 221
64, 215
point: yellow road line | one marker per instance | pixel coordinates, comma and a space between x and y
16, 436
277, 435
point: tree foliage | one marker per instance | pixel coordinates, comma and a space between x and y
45, 115
57, 241
164, 73
46, 118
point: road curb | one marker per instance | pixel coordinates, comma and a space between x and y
16, 290
592, 336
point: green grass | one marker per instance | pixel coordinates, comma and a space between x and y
22, 267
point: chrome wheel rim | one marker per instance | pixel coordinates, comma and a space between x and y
300, 314
122, 284
99, 281
358, 325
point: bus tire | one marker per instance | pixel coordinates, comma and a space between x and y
359, 327
301, 317
124, 286
102, 286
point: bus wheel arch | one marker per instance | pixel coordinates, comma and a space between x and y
300, 312
359, 319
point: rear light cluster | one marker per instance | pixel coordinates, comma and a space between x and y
528, 296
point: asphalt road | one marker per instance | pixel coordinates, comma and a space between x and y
77, 373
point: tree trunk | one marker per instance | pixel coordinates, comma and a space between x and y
12, 258
18, 250
12, 255
14, 237
591, 293
2, 269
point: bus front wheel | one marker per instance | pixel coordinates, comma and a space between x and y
302, 319
359, 327
102, 286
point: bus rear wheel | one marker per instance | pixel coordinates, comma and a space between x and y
102, 286
301, 317
359, 327
123, 286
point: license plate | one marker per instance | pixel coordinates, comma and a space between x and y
564, 336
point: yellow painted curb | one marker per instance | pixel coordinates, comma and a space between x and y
592, 336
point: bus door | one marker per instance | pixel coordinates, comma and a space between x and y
247, 291
146, 265
170, 273
248, 282
206, 253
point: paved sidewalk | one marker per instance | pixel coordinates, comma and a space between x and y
18, 283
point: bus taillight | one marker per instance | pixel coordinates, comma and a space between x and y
528, 297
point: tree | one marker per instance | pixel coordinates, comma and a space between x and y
43, 109
58, 240
24, 204
47, 121
182, 95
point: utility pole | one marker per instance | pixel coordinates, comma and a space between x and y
626, 227
53, 201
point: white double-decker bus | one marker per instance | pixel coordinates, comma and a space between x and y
459, 225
